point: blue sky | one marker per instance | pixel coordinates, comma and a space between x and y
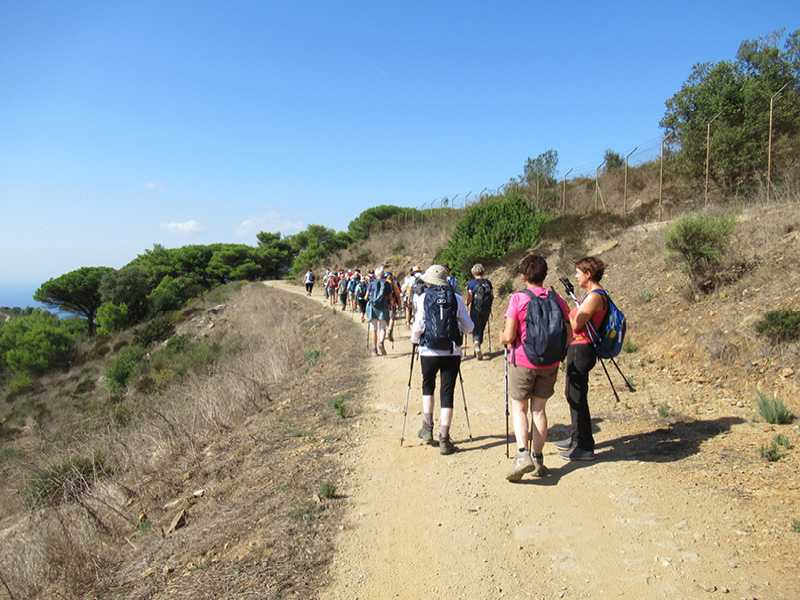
123, 125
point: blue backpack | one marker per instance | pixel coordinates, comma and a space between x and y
612, 330
379, 293
441, 319
545, 340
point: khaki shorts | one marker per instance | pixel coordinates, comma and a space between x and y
524, 382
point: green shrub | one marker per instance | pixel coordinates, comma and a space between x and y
646, 295
156, 330
796, 525
770, 452
123, 368
338, 404
327, 490
489, 230
780, 325
32, 345
663, 410
112, 318
772, 409
629, 347
312, 356
782, 440
63, 482
696, 243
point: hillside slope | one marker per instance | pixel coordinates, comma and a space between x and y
679, 503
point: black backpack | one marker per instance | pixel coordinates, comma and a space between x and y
379, 293
441, 319
418, 287
482, 295
545, 340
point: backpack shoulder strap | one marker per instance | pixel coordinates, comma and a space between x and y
604, 295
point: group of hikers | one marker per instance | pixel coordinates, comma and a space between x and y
539, 333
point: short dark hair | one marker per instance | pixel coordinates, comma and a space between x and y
534, 268
592, 265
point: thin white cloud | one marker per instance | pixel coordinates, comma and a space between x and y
270, 221
187, 229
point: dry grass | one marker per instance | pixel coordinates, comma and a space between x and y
241, 443
398, 249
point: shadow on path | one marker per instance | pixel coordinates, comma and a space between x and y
675, 442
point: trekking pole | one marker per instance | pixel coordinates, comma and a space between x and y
489, 325
505, 363
463, 395
408, 392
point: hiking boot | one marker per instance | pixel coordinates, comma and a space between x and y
565, 445
578, 454
389, 336
374, 352
523, 463
383, 349
426, 433
478, 353
446, 445
539, 469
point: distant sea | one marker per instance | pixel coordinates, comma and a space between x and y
18, 294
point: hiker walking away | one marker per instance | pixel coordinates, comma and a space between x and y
309, 281
344, 284
325, 277
333, 285
582, 357
452, 281
408, 281
377, 312
529, 382
416, 288
361, 295
441, 319
480, 296
394, 303
352, 288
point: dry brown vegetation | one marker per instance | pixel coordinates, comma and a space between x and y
239, 450
211, 482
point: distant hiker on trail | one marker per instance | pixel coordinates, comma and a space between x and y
452, 281
325, 277
441, 319
582, 357
533, 380
333, 286
309, 281
408, 281
480, 296
343, 289
416, 287
361, 296
394, 303
352, 288
378, 310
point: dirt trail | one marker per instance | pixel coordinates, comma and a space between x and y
422, 524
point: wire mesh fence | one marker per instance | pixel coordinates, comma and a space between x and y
654, 177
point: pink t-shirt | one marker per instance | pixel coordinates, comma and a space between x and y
517, 309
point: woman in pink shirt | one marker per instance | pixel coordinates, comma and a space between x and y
527, 381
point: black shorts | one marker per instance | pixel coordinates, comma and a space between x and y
449, 367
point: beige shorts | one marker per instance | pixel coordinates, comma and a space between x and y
524, 382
